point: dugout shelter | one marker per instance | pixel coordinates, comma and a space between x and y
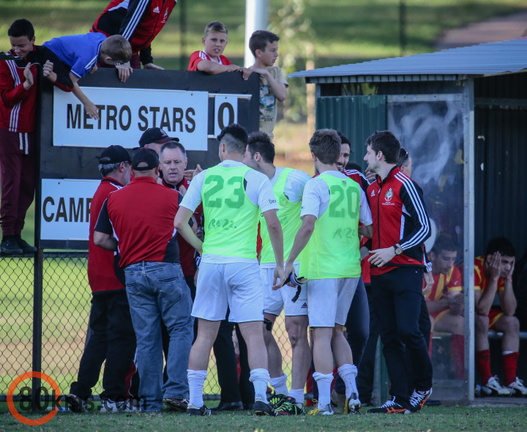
462, 115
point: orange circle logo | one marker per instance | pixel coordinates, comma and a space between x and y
11, 405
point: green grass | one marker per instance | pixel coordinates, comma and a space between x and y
440, 419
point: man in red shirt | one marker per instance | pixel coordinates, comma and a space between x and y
493, 275
18, 102
111, 335
173, 162
142, 216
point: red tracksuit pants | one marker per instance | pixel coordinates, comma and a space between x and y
17, 172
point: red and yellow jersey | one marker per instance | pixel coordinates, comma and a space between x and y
452, 282
480, 279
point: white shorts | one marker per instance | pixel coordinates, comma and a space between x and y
234, 285
275, 301
330, 300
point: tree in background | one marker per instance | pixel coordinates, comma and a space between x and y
296, 53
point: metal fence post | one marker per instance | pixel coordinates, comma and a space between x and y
37, 329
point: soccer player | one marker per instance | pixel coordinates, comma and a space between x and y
358, 320
288, 186
233, 196
332, 206
445, 300
493, 274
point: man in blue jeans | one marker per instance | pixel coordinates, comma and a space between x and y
142, 216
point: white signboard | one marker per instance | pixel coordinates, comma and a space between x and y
66, 208
126, 113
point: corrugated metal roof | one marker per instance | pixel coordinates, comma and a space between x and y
484, 59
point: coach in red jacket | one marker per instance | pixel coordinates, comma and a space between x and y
400, 226
111, 337
142, 216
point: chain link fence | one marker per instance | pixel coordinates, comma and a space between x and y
66, 300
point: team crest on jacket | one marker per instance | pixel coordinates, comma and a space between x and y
388, 195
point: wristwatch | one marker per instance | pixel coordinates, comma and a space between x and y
398, 249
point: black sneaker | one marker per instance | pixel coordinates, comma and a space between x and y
264, 409
10, 247
194, 411
418, 399
25, 246
288, 408
391, 406
178, 405
277, 399
76, 404
229, 406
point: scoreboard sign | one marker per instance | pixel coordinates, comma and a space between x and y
192, 106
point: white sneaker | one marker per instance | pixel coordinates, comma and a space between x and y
493, 387
132, 405
518, 388
327, 410
111, 406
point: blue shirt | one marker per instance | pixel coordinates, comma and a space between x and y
80, 52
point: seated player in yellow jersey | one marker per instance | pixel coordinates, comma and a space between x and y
445, 300
495, 306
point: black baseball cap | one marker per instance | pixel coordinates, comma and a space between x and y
114, 154
154, 135
145, 159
